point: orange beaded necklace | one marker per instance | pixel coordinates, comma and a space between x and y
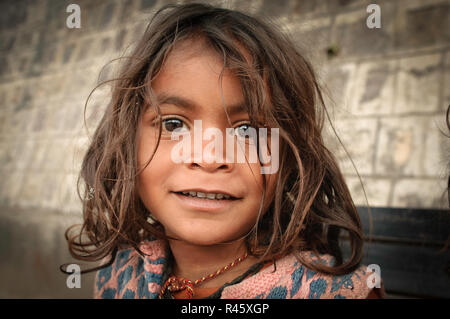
174, 283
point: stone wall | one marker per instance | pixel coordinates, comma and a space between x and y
388, 92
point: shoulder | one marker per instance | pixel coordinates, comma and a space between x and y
130, 275
289, 279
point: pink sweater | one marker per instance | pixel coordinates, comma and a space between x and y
132, 276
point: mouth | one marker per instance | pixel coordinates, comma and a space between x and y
210, 195
206, 201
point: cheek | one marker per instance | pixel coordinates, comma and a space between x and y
146, 146
152, 177
254, 180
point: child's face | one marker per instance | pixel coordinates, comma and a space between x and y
191, 73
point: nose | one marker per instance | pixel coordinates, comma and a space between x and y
211, 167
209, 150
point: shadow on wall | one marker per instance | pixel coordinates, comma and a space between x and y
32, 247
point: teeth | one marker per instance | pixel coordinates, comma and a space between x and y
211, 196
207, 195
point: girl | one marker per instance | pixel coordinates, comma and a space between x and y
210, 226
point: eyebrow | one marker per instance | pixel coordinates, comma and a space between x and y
165, 98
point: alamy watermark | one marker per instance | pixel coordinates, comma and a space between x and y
374, 19
258, 152
74, 279
374, 279
73, 21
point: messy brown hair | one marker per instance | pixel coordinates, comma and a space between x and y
311, 208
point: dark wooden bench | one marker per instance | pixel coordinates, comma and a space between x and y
411, 246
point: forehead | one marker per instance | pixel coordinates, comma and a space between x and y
188, 49
194, 70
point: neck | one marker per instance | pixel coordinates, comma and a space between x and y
193, 261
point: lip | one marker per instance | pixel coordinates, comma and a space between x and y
205, 205
202, 190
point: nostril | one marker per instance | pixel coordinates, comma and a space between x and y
210, 166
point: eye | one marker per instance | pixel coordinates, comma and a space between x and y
171, 124
243, 130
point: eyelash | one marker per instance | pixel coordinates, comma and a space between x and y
167, 119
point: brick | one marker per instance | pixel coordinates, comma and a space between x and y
358, 137
67, 161
373, 88
3, 120
5, 68
68, 196
420, 193
347, 4
26, 40
55, 155
401, 146
24, 64
11, 187
77, 149
38, 157
8, 155
312, 38
126, 11
31, 189
71, 117
276, 8
147, 4
74, 119
436, 147
356, 39
415, 29
56, 10
446, 84
14, 94
418, 84
44, 58
6, 114
53, 87
39, 119
136, 33
52, 187
4, 153
107, 14
68, 52
120, 40
25, 102
14, 14
56, 116
338, 82
310, 7
7, 41
85, 49
81, 82
104, 46
25, 152
36, 13
19, 122
377, 190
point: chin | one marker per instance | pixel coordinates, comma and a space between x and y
200, 238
